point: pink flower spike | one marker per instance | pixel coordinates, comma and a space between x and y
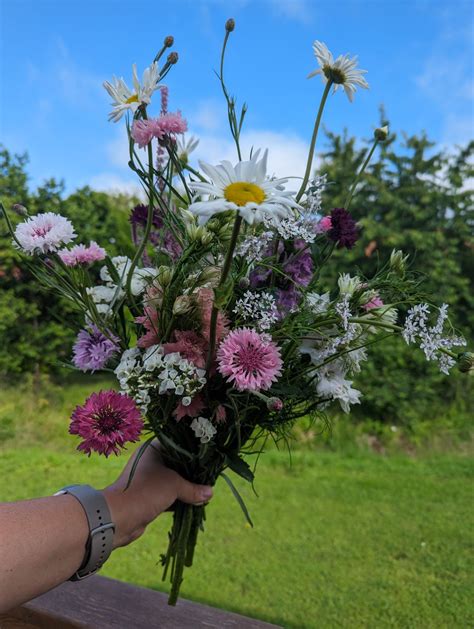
80, 254
150, 322
251, 361
106, 421
375, 302
192, 410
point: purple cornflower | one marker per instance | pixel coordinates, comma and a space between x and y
93, 349
287, 300
344, 230
300, 267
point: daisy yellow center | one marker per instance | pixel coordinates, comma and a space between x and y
242, 192
132, 99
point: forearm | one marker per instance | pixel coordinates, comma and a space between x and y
42, 544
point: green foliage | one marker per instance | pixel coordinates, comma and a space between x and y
415, 199
37, 328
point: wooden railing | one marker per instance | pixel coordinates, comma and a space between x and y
102, 603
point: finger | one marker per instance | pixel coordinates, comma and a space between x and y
192, 493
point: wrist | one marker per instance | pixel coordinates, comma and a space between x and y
121, 505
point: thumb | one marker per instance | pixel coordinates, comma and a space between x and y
192, 493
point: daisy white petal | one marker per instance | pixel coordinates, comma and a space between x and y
244, 188
123, 99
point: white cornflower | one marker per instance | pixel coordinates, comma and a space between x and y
260, 308
244, 188
254, 248
332, 384
184, 147
203, 429
44, 233
318, 303
343, 71
141, 278
124, 99
431, 339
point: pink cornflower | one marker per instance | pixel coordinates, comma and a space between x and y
44, 233
106, 421
190, 345
205, 299
324, 225
250, 360
375, 302
150, 322
80, 254
143, 131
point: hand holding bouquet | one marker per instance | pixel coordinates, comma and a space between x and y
220, 329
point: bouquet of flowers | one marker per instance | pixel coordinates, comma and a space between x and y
220, 330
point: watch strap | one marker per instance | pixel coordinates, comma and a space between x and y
101, 529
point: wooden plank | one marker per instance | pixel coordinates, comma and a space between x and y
103, 603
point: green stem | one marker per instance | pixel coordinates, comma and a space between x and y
225, 273
181, 549
356, 181
313, 140
149, 220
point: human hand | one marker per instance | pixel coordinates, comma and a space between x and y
154, 488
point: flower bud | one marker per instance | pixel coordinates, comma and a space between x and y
20, 209
381, 133
182, 304
274, 404
173, 58
230, 25
210, 275
244, 283
466, 362
164, 275
169, 41
398, 262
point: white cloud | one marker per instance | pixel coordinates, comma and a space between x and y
287, 152
115, 184
208, 116
298, 10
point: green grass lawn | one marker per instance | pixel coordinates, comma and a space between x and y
339, 541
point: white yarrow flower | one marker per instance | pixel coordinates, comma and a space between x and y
244, 188
343, 71
259, 308
124, 99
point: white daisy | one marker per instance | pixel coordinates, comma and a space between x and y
245, 188
124, 99
343, 71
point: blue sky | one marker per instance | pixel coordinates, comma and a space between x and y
56, 54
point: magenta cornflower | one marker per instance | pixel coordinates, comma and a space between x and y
80, 254
106, 421
44, 233
251, 361
93, 349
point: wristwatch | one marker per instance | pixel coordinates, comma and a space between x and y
101, 528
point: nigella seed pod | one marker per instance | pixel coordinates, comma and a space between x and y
20, 209
169, 41
230, 25
274, 404
381, 133
466, 362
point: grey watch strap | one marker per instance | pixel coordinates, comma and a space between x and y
101, 528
